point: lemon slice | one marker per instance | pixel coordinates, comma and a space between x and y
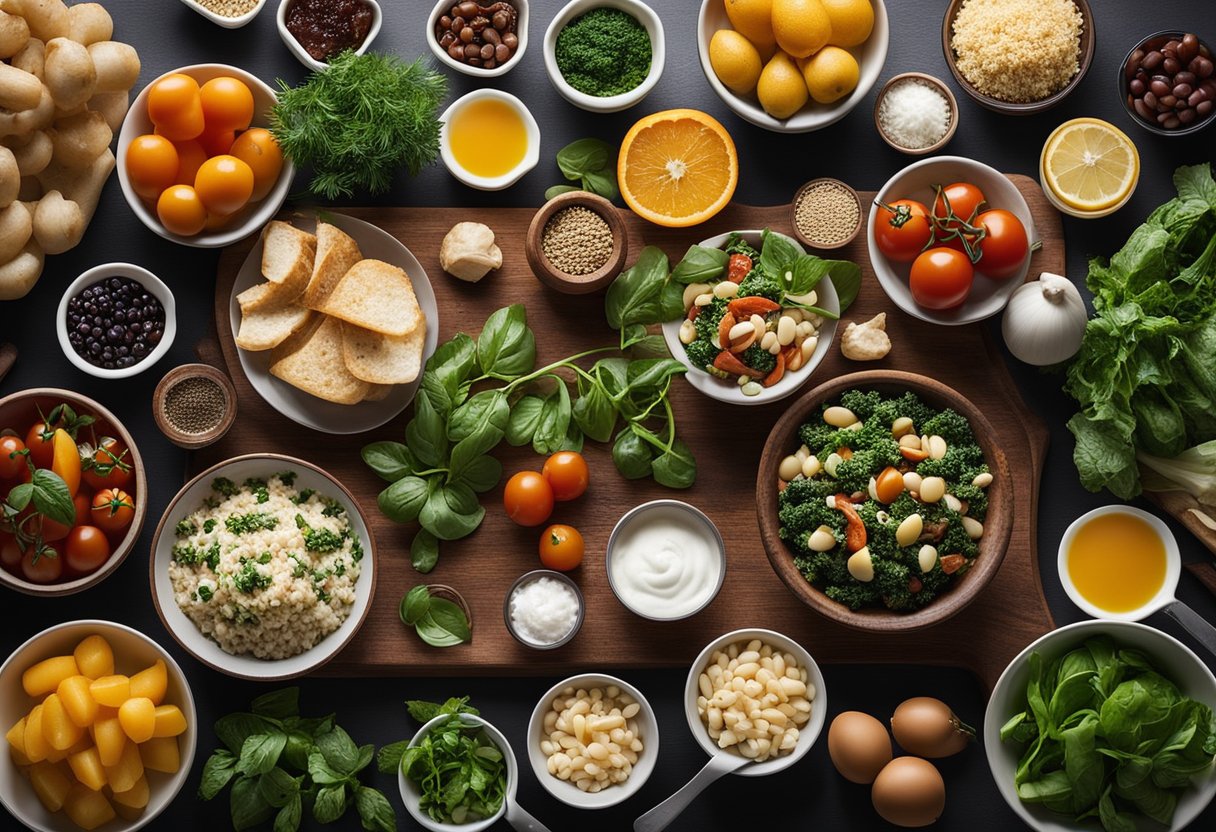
1090, 165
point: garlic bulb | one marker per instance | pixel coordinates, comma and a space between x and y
1045, 321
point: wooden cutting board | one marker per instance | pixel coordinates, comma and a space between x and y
727, 441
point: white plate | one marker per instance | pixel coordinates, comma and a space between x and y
308, 410
729, 391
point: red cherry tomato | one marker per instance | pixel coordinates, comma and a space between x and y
40, 441
12, 461
941, 278
110, 467
112, 510
561, 548
84, 509
87, 548
567, 473
50, 530
961, 199
42, 566
528, 498
1005, 245
901, 229
10, 552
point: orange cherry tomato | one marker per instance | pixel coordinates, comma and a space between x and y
110, 466
567, 473
224, 184
10, 552
151, 165
176, 108
941, 278
113, 509
12, 461
258, 149
217, 221
888, 485
216, 142
528, 498
87, 548
181, 211
1005, 245
38, 440
190, 157
84, 509
561, 548
42, 566
227, 104
65, 460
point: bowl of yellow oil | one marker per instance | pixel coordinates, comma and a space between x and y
489, 139
1118, 562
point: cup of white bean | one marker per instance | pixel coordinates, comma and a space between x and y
592, 740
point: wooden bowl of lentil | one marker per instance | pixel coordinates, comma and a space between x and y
576, 243
826, 214
194, 405
897, 82
1020, 57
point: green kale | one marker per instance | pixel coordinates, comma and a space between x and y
864, 403
320, 541
212, 556
701, 353
205, 594
253, 522
759, 359
759, 284
224, 486
356, 549
184, 528
209, 525
709, 318
949, 425
735, 244
248, 579
332, 508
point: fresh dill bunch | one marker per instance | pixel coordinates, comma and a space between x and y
359, 121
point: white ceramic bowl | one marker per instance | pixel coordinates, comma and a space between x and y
729, 391
808, 733
133, 651
145, 278
1170, 656
564, 790
411, 796
612, 103
870, 57
490, 183
188, 500
226, 22
252, 217
301, 54
521, 32
988, 297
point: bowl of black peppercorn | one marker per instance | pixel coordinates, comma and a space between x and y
116, 320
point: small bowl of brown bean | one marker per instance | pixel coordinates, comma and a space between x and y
1168, 83
576, 243
483, 40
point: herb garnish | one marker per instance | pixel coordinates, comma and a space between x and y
438, 621
592, 164
321, 541
252, 522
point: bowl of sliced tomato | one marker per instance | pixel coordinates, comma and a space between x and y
950, 240
72, 492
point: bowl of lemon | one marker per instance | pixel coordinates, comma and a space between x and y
792, 66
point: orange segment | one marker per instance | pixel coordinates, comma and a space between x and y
677, 168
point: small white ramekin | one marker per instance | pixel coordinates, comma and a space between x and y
301, 54
490, 183
521, 31
226, 22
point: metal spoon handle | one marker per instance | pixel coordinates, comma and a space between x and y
521, 820
660, 816
1193, 623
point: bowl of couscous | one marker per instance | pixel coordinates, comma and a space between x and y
1018, 57
263, 567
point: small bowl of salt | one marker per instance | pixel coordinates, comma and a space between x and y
544, 609
915, 113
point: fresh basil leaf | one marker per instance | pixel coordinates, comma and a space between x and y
675, 468
460, 498
487, 408
288, 818
584, 155
299, 746
554, 421
573, 440
277, 787
390, 460
415, 604
322, 772
330, 803
444, 625
525, 417
602, 183
807, 272
480, 473
426, 434
1113, 820
671, 302
424, 551
366, 754
634, 296
234, 729
651, 346
421, 710
652, 373
846, 280
402, 500
374, 810
260, 752
613, 376
217, 771
594, 414
632, 455
558, 190
700, 265
19, 496
506, 347
388, 758
51, 497
440, 519
778, 253
278, 704
246, 804
339, 750
632, 334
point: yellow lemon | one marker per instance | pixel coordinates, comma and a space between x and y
852, 21
1090, 165
735, 61
781, 90
754, 20
830, 74
801, 27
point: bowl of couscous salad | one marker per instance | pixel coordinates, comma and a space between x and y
263, 567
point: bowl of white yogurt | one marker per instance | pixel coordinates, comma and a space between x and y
666, 560
543, 609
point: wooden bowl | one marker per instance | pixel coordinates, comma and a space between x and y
938, 85
1084, 59
998, 523
19, 411
191, 441
861, 214
581, 284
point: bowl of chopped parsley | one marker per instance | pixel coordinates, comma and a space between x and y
604, 55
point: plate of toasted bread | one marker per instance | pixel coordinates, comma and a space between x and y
333, 320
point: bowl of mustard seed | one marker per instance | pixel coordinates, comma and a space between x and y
194, 405
576, 243
826, 214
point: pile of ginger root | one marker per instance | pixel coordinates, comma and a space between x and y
64, 87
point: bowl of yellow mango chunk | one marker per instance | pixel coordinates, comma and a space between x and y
100, 728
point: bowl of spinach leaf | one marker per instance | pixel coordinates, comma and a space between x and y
1104, 724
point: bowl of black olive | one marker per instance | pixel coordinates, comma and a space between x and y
1168, 83
485, 38
116, 320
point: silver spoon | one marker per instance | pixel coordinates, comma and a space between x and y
661, 816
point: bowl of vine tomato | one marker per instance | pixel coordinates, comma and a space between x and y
950, 240
72, 488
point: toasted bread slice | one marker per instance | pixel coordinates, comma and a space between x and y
336, 253
265, 329
312, 361
377, 296
383, 359
264, 297
378, 392
287, 255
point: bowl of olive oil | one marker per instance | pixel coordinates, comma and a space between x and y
489, 139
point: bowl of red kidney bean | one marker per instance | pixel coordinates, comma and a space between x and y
479, 38
1168, 83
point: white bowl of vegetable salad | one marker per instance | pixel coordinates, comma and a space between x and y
790, 298
263, 567
1135, 708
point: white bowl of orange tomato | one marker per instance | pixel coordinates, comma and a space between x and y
196, 161
72, 492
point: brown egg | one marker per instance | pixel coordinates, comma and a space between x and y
909, 792
859, 746
926, 727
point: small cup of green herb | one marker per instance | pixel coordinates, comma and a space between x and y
604, 55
